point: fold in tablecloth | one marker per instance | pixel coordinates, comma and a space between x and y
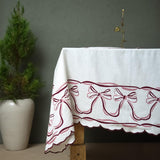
110, 87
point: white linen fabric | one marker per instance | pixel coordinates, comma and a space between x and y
110, 87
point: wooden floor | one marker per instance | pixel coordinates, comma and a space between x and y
95, 151
33, 152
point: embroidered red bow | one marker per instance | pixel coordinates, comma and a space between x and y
63, 99
94, 93
58, 106
119, 96
131, 97
151, 98
74, 90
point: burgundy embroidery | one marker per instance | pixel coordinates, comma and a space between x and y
111, 99
93, 93
151, 98
58, 103
54, 135
51, 119
130, 98
105, 96
108, 121
74, 90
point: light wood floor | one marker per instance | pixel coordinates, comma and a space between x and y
33, 152
95, 151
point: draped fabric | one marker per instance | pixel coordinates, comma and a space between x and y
113, 88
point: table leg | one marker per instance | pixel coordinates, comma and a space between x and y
78, 148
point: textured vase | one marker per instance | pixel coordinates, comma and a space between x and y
16, 122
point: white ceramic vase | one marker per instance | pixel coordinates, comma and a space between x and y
16, 122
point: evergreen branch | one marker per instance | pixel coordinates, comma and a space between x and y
17, 75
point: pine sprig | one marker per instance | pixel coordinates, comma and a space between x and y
17, 75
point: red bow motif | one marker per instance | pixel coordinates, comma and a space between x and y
51, 119
130, 98
151, 98
94, 93
74, 90
58, 106
63, 99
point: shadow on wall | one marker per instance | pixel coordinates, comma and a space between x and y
102, 135
123, 151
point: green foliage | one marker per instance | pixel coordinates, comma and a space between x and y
17, 74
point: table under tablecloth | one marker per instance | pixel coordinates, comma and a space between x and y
113, 88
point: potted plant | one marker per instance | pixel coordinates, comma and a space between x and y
18, 84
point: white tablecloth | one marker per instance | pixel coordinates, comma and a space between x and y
110, 87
